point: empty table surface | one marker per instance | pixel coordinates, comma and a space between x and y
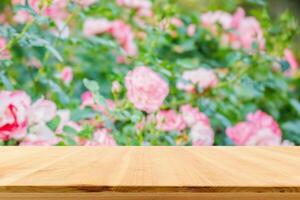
148, 172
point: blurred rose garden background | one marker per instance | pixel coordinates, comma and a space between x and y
142, 72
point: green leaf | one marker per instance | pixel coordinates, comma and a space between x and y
100, 99
80, 114
292, 131
284, 65
55, 53
258, 2
5, 81
292, 127
69, 141
35, 40
69, 130
296, 105
87, 132
56, 88
91, 85
54, 123
104, 42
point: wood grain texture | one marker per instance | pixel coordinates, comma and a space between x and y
165, 172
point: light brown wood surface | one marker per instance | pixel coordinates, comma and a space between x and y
150, 173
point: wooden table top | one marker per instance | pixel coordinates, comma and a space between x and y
149, 169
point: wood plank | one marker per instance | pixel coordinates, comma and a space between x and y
150, 196
129, 172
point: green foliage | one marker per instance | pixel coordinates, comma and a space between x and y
248, 80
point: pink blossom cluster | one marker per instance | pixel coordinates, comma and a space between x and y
143, 7
88, 100
18, 115
85, 3
22, 120
14, 109
116, 87
240, 31
187, 119
201, 132
291, 59
119, 30
57, 10
66, 75
168, 25
102, 137
178, 23
169, 120
200, 78
146, 89
260, 129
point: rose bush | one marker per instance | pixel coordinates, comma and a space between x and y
142, 72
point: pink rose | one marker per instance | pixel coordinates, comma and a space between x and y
176, 22
57, 10
40, 135
191, 30
169, 120
143, 13
85, 3
42, 111
241, 132
33, 62
65, 120
146, 89
202, 134
125, 37
199, 78
263, 120
210, 20
23, 16
66, 75
135, 4
102, 137
14, 108
96, 26
259, 129
249, 31
291, 59
238, 16
117, 29
239, 31
88, 100
192, 115
4, 53
116, 87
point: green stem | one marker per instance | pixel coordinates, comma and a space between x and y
19, 36
235, 79
46, 57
